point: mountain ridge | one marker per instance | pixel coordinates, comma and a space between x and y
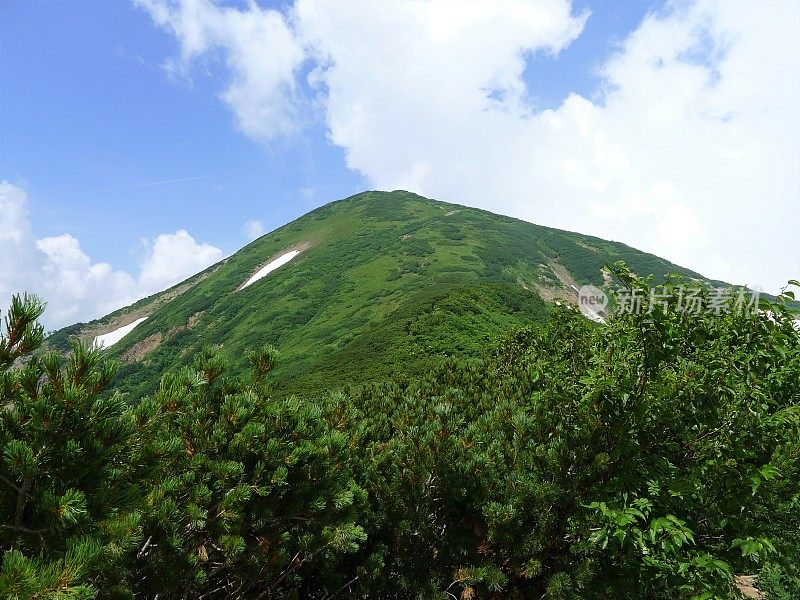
384, 283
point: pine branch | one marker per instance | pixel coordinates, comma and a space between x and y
22, 501
23, 529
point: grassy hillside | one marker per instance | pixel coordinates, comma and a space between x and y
385, 283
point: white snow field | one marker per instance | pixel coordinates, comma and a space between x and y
109, 339
270, 267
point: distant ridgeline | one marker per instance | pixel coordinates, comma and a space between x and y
378, 284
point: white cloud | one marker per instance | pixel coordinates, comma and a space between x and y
15, 240
253, 230
75, 287
172, 257
690, 151
259, 50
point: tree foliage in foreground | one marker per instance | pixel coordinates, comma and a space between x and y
206, 489
255, 497
68, 483
653, 457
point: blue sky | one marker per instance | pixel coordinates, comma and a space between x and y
87, 106
100, 99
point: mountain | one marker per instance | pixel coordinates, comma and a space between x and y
377, 284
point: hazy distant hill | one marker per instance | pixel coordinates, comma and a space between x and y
381, 283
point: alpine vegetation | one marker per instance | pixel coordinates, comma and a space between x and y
655, 456
378, 284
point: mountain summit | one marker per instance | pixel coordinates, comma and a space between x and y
377, 284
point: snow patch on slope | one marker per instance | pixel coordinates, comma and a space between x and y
270, 267
109, 339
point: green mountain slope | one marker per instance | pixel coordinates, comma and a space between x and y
384, 283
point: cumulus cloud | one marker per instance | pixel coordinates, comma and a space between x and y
75, 287
15, 240
689, 148
172, 256
258, 48
253, 230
